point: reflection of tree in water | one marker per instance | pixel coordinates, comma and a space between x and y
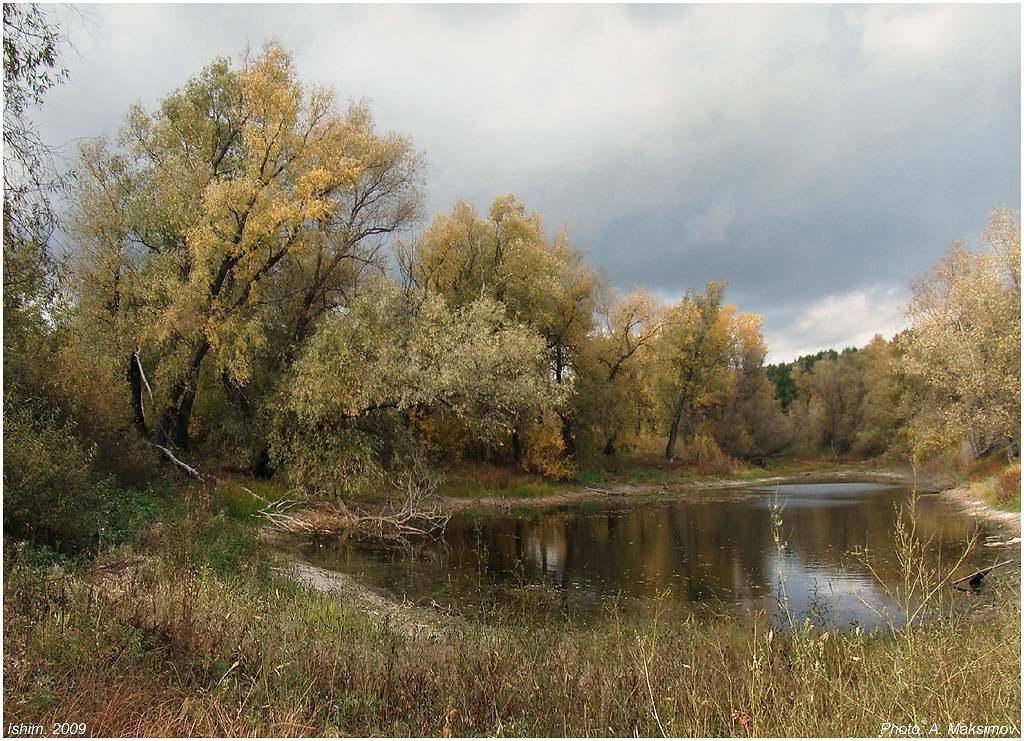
706, 549
703, 551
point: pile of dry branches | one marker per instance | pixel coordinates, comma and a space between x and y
417, 514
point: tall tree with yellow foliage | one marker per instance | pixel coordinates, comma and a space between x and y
963, 349
694, 348
242, 184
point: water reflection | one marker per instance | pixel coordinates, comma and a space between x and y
713, 552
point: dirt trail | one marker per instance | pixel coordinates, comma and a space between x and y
411, 620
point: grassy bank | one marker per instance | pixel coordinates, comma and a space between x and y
202, 637
995, 483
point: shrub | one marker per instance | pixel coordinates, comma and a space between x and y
50, 495
1009, 484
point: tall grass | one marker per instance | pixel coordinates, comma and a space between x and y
175, 647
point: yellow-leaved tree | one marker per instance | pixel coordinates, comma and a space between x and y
542, 284
749, 422
614, 399
963, 348
244, 189
694, 348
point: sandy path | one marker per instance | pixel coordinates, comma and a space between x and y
379, 604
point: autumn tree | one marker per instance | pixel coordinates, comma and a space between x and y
614, 398
749, 422
68, 442
32, 46
880, 418
345, 408
543, 284
833, 391
694, 351
229, 221
963, 348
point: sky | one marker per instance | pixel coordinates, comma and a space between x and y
818, 157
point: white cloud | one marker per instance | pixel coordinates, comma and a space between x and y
794, 150
840, 320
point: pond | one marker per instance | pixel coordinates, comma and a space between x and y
833, 559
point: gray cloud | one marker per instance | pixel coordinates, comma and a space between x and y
809, 154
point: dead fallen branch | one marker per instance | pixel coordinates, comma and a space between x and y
974, 580
199, 476
419, 514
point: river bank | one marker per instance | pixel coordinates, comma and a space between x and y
620, 491
982, 510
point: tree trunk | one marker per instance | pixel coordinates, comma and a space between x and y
135, 385
673, 433
235, 393
567, 439
183, 395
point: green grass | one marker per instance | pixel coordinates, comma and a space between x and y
240, 504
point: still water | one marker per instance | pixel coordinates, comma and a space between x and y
833, 558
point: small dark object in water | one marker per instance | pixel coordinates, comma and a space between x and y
974, 580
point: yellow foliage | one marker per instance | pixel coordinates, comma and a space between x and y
544, 449
963, 350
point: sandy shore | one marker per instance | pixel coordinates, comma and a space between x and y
379, 604
977, 508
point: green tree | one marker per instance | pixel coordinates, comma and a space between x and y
32, 44
345, 406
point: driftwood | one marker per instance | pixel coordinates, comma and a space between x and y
974, 580
420, 513
609, 492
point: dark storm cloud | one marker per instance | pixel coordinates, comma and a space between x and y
818, 157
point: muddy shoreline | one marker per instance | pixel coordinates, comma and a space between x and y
977, 508
628, 491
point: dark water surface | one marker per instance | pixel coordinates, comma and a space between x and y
706, 552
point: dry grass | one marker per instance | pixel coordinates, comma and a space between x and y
998, 486
172, 648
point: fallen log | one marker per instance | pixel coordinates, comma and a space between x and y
974, 580
199, 476
608, 492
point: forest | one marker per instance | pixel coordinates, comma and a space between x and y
250, 308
